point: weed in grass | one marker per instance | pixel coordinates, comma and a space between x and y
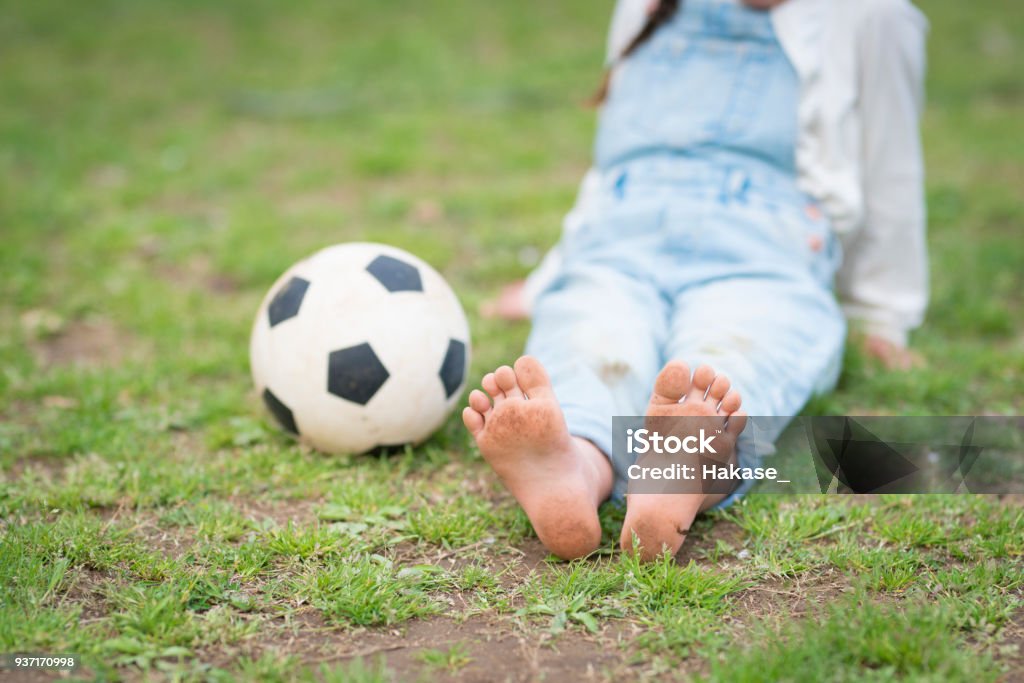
246, 560
355, 671
512, 524
210, 520
154, 566
367, 495
79, 538
215, 587
918, 527
476, 577
794, 520
451, 660
721, 551
457, 522
29, 586
879, 568
982, 597
366, 590
223, 625
997, 533
368, 512
580, 593
270, 667
663, 586
240, 431
677, 635
778, 561
480, 587
892, 578
306, 542
157, 613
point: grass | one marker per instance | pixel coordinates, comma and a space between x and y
857, 640
452, 659
162, 163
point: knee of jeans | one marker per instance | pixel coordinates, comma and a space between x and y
611, 365
729, 354
613, 357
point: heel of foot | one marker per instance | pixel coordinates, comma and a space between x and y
658, 522
650, 540
568, 531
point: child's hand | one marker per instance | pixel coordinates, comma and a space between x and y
510, 304
891, 355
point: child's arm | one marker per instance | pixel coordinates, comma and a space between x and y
883, 283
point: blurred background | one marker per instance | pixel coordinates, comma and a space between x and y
162, 162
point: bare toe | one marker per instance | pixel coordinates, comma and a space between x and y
473, 420
533, 378
719, 387
730, 403
702, 379
490, 385
506, 379
672, 382
736, 422
479, 402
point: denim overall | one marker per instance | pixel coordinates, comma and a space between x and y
700, 246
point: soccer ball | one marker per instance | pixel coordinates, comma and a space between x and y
358, 346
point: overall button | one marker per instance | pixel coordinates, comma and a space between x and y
813, 212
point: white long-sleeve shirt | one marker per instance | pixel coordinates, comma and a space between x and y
861, 66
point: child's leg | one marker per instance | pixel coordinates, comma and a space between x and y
777, 341
596, 331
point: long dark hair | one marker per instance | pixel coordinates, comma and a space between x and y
661, 13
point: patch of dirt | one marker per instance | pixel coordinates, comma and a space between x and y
300, 512
47, 467
792, 598
38, 675
497, 653
704, 538
86, 590
332, 199
173, 542
495, 649
92, 342
197, 272
534, 554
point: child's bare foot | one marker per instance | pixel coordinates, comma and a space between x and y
560, 480
662, 520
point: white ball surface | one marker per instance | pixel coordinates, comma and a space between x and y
358, 346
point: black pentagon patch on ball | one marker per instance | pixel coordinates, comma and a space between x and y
280, 411
453, 369
286, 302
355, 374
395, 275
